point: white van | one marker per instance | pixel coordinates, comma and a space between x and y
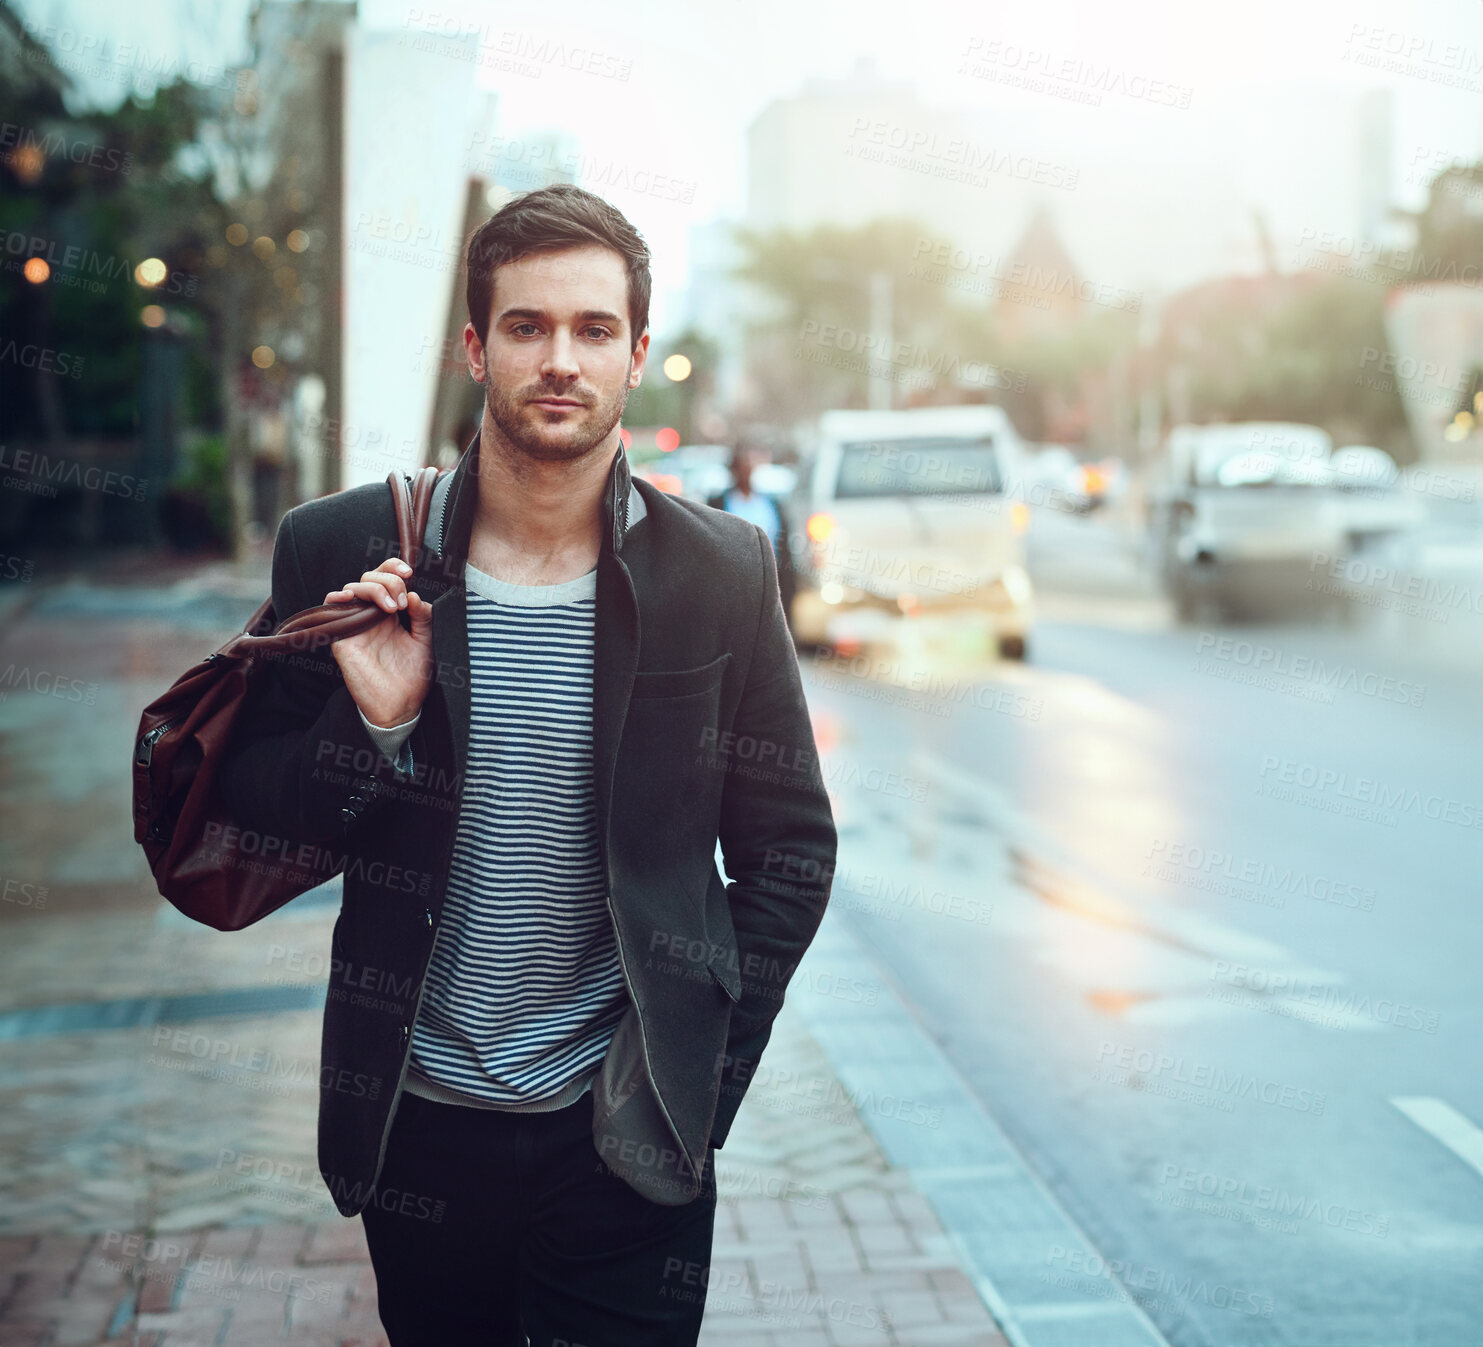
914, 516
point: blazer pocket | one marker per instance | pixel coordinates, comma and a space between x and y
679, 682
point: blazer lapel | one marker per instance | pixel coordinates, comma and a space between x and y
451, 674
616, 644
615, 658
442, 564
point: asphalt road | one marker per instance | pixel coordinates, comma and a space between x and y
1195, 913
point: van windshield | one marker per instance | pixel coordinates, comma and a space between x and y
942, 466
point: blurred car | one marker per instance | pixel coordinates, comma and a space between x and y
701, 468
908, 519
772, 479
1104, 481
665, 481
1363, 467
1051, 478
1377, 503
1060, 480
1238, 512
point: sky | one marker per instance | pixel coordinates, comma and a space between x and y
672, 91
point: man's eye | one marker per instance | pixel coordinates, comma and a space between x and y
598, 333
518, 326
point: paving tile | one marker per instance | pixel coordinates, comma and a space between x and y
16, 1249
866, 1206
735, 1323
911, 1308
914, 1209
342, 1241
763, 1219
815, 1335
249, 1324
859, 1330
281, 1245
204, 1322
783, 1268
35, 1292
80, 1323
837, 1253
954, 1335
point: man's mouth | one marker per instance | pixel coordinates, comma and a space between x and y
556, 402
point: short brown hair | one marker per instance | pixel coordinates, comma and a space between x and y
559, 216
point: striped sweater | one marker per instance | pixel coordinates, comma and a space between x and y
524, 988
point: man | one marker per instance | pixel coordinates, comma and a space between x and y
545, 1003
764, 511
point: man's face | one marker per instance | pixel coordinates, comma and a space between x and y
560, 358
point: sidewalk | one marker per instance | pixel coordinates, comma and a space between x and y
817, 1242
150, 1197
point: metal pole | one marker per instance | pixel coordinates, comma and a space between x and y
880, 326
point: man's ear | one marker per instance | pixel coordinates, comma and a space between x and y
474, 353
639, 359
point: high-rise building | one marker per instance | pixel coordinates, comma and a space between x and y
844, 151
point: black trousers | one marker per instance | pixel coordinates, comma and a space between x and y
488, 1228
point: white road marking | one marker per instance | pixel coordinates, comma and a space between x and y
1458, 1133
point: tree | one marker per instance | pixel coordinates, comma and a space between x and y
817, 347
1449, 230
93, 194
1284, 348
661, 401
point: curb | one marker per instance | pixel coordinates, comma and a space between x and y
1008, 1227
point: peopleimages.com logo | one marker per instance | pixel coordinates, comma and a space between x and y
44, 474
1174, 1075
1287, 779
1316, 1001
1301, 669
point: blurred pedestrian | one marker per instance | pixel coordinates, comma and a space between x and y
766, 511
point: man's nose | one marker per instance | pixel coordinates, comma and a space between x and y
561, 357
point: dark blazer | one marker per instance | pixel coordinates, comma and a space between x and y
782, 551
700, 732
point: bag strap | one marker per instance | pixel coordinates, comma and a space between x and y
328, 622
412, 508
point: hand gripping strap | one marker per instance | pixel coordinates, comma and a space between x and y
328, 622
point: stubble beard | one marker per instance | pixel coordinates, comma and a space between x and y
514, 418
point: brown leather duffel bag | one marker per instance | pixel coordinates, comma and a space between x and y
184, 735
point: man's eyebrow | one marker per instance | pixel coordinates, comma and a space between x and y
589, 316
